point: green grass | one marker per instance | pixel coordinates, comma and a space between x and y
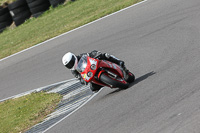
18, 115
6, 1
57, 21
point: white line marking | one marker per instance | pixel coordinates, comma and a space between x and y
72, 30
65, 34
74, 110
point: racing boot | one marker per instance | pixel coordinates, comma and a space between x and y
113, 59
130, 76
119, 62
125, 72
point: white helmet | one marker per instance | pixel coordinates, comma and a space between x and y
70, 61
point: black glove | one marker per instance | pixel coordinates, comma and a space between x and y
78, 76
75, 73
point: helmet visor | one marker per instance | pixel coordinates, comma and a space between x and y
71, 63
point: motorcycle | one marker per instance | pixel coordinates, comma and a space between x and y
102, 72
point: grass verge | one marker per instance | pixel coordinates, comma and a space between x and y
2, 2
18, 115
57, 21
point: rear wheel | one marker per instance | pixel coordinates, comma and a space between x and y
115, 83
131, 77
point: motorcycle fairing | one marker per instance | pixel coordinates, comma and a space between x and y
112, 67
101, 66
84, 74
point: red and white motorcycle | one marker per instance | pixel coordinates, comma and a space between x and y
102, 72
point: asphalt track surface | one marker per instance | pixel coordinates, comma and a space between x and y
160, 42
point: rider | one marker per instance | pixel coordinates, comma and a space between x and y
70, 61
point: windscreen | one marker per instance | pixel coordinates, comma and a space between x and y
82, 64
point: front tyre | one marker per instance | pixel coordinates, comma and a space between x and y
114, 83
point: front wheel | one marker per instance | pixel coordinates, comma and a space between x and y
114, 83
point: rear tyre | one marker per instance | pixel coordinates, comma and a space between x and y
131, 77
113, 82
